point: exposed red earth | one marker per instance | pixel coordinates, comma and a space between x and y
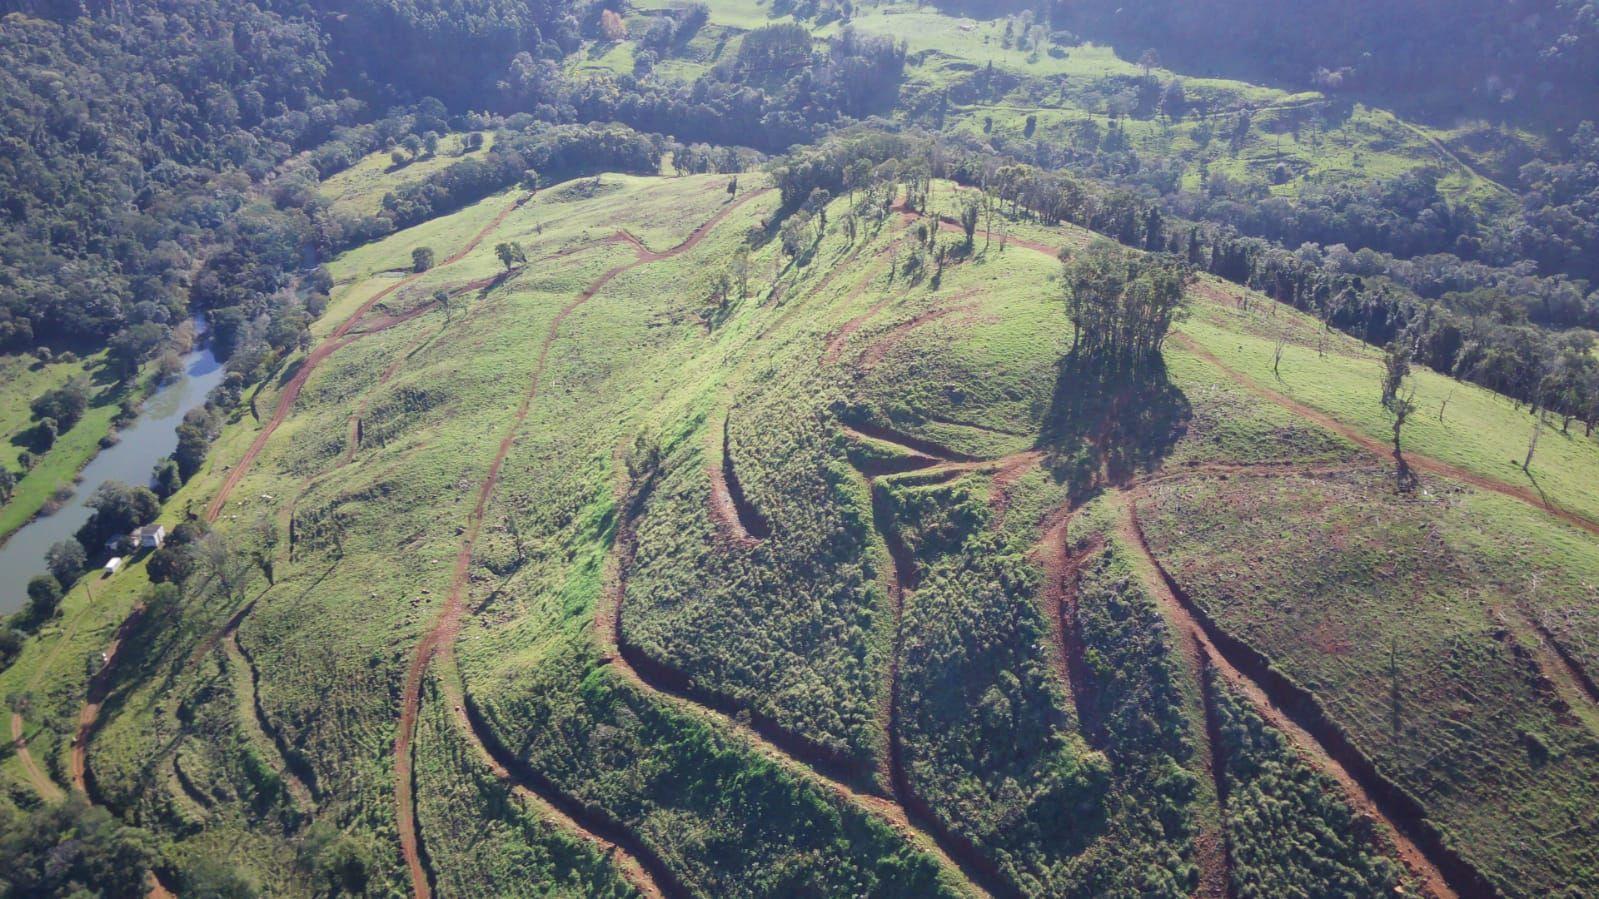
447, 624
1297, 715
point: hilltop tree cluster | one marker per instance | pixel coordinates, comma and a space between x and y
1122, 304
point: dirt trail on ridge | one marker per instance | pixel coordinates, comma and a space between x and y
339, 337
1377, 447
448, 622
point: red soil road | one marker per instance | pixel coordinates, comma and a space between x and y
89, 715
338, 338
1062, 570
737, 522
949, 225
901, 574
301, 793
1191, 629
47, 789
879, 348
1372, 444
791, 309
447, 625
41, 782
631, 869
1582, 683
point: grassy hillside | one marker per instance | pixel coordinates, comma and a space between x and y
359, 189
612, 575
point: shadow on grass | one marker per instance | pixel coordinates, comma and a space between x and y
1110, 421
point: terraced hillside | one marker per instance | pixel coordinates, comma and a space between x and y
691, 557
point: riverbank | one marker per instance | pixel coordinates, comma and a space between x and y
66, 459
130, 459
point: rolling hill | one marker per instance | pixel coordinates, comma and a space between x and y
671, 562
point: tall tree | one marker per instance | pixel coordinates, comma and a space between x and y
1400, 401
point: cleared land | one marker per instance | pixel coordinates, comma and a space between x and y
813, 593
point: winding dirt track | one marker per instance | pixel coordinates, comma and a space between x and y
327, 347
1372, 444
447, 624
776, 748
255, 717
1330, 752
89, 715
736, 518
640, 867
902, 576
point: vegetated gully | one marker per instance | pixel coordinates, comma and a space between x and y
440, 638
1354, 773
735, 522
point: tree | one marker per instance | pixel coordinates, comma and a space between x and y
44, 596
224, 565
510, 254
8, 483
795, 234
65, 404
1121, 303
1532, 445
969, 213
1149, 61
166, 477
421, 259
1400, 403
118, 509
430, 143
741, 270
72, 848
45, 434
66, 560
442, 297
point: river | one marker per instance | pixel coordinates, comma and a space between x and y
153, 435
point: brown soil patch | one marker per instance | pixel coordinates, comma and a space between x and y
89, 715
880, 347
737, 520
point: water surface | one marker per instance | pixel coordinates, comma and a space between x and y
131, 461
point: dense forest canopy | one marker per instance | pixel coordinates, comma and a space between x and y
1526, 59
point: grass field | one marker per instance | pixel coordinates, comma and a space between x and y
359, 189
607, 583
24, 379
